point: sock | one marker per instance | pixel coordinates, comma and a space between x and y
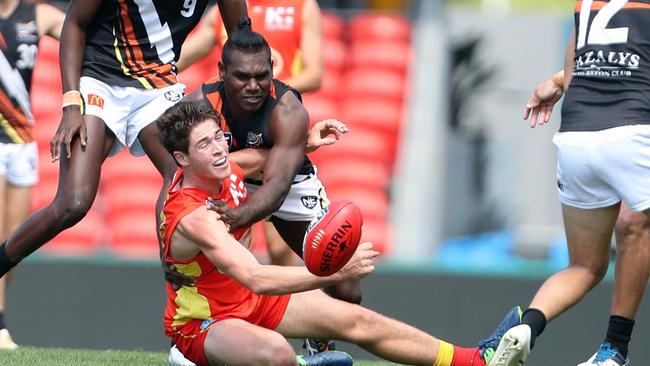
536, 320
6, 264
3, 325
450, 355
619, 332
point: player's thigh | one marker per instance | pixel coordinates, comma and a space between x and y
589, 233
237, 342
314, 314
18, 203
81, 171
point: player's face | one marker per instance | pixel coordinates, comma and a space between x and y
248, 80
208, 151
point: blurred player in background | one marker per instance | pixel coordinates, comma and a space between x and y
22, 23
293, 30
603, 161
244, 303
118, 72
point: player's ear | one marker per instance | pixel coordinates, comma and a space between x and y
222, 70
181, 158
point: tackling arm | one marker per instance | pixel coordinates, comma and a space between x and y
288, 132
231, 11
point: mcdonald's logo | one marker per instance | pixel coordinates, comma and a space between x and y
94, 99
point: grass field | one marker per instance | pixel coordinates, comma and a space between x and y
32, 356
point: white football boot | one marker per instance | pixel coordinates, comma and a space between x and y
607, 355
513, 348
176, 358
6, 343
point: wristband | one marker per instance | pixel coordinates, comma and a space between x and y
72, 97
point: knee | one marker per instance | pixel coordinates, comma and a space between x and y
595, 269
277, 351
363, 325
346, 291
631, 224
630, 228
71, 210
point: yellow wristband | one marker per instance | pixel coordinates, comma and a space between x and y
72, 97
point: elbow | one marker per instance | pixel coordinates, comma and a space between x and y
254, 281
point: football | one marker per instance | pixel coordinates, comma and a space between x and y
332, 238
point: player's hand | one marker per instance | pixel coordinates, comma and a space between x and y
541, 103
71, 124
230, 216
176, 278
325, 132
361, 264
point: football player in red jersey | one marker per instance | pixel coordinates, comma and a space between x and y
22, 24
236, 301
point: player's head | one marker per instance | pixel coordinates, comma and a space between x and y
190, 132
246, 68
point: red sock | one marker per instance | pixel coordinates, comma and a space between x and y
467, 357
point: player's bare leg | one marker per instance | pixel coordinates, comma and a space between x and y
78, 182
16, 202
314, 314
589, 234
229, 342
631, 277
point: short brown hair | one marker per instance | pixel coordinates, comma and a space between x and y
175, 125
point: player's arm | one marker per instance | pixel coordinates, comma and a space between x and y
539, 106
288, 132
71, 55
237, 262
231, 11
49, 20
199, 43
311, 50
323, 133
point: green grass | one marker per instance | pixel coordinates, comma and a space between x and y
33, 356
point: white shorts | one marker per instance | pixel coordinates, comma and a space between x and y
127, 110
306, 198
601, 168
19, 163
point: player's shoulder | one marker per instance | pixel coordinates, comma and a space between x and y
237, 172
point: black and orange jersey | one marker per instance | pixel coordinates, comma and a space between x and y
136, 42
19, 46
254, 132
611, 75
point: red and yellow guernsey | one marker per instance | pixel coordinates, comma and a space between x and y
215, 296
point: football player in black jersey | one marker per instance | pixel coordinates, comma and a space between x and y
22, 23
603, 171
111, 51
